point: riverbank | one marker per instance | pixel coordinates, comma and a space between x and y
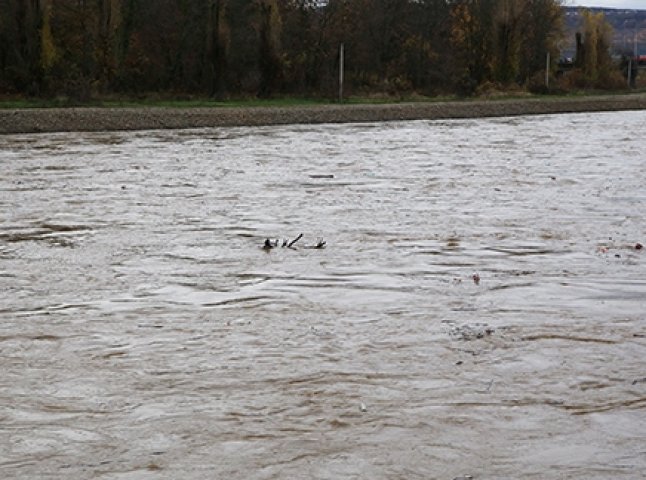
32, 120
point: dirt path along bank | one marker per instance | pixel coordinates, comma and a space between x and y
30, 120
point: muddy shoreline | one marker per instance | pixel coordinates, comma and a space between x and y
154, 118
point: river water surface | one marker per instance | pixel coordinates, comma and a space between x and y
479, 310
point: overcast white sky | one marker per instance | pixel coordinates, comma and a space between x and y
638, 4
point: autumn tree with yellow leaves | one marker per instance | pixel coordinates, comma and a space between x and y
595, 65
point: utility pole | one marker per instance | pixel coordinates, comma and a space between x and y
547, 71
341, 67
633, 59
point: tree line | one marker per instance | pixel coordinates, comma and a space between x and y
231, 48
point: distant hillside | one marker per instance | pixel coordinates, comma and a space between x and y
629, 29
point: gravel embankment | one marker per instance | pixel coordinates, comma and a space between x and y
30, 120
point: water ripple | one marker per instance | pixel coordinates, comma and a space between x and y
477, 311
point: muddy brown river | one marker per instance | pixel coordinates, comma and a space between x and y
478, 311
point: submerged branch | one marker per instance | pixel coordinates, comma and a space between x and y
295, 240
270, 244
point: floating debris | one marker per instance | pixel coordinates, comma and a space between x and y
606, 249
319, 244
270, 244
476, 279
363, 408
291, 244
471, 332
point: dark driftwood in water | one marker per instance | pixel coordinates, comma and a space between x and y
319, 244
289, 245
271, 244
